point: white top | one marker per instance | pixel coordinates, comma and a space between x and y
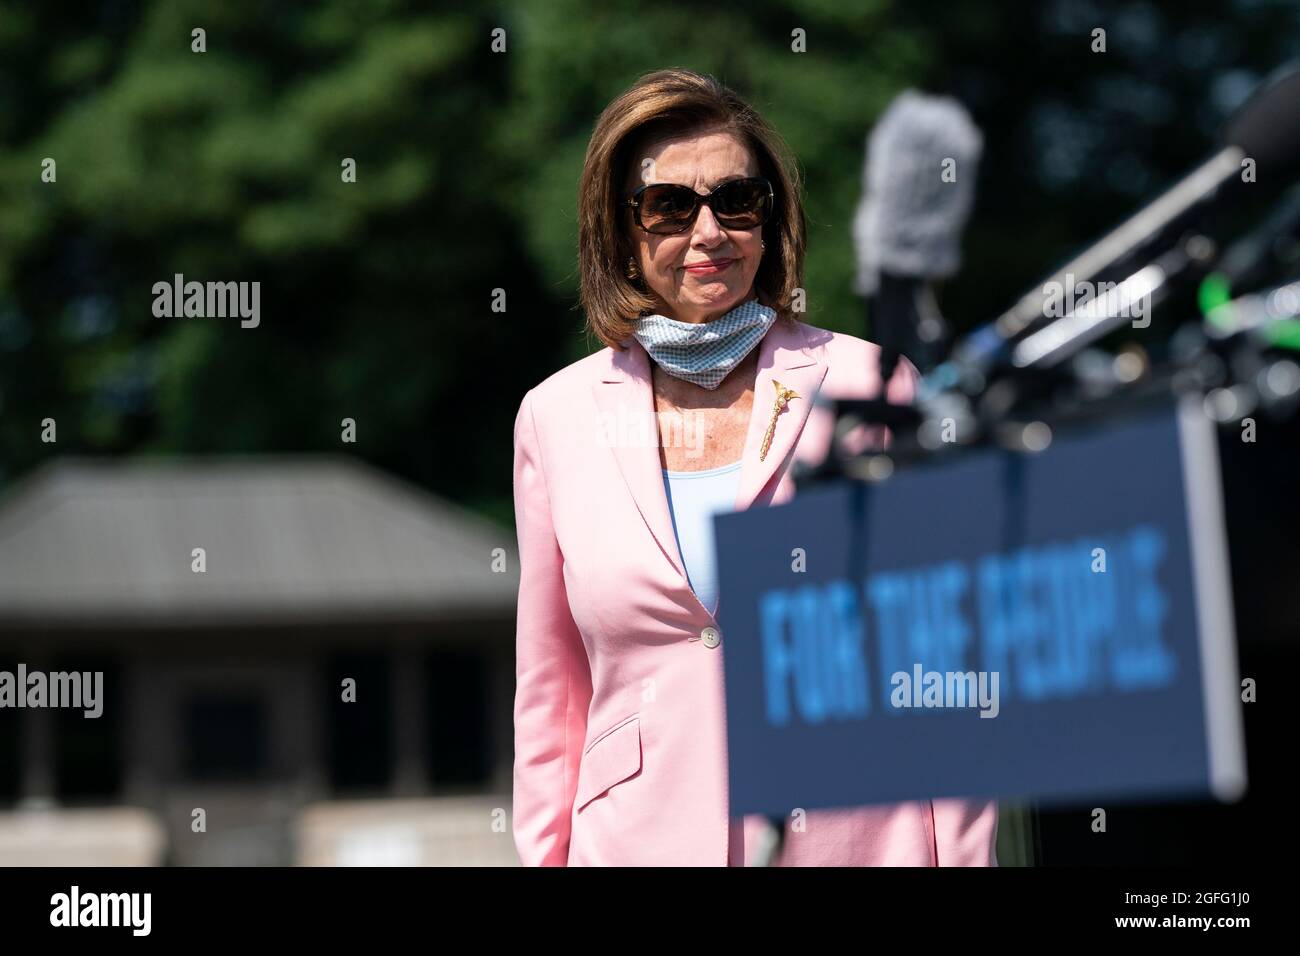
694, 497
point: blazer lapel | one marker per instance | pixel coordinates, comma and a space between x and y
624, 397
784, 357
625, 400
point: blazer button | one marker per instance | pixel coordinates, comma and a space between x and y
710, 637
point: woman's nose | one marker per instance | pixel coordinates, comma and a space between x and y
706, 227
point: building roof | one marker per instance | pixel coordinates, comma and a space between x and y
106, 542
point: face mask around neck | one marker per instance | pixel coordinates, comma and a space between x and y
703, 353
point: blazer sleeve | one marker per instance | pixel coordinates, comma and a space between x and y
900, 390
552, 674
965, 832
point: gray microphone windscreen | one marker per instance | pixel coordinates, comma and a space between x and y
918, 189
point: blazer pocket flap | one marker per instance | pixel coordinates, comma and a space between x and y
611, 758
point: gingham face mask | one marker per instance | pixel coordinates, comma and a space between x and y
705, 352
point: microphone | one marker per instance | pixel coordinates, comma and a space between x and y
1137, 294
1265, 130
918, 179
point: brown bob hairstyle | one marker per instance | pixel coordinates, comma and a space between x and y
663, 105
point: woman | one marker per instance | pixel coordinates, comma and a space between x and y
691, 238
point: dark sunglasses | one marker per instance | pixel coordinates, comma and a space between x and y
666, 209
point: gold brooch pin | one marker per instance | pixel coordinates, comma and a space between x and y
783, 395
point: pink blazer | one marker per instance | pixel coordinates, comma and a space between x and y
620, 725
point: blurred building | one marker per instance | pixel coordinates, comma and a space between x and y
224, 680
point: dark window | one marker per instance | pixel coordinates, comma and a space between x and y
459, 718
226, 736
361, 732
88, 750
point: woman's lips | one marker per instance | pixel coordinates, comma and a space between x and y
709, 268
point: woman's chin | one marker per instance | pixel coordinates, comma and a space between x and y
715, 297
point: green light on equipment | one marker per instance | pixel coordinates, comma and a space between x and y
1285, 333
1215, 292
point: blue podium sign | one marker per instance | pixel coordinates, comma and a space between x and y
1053, 626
